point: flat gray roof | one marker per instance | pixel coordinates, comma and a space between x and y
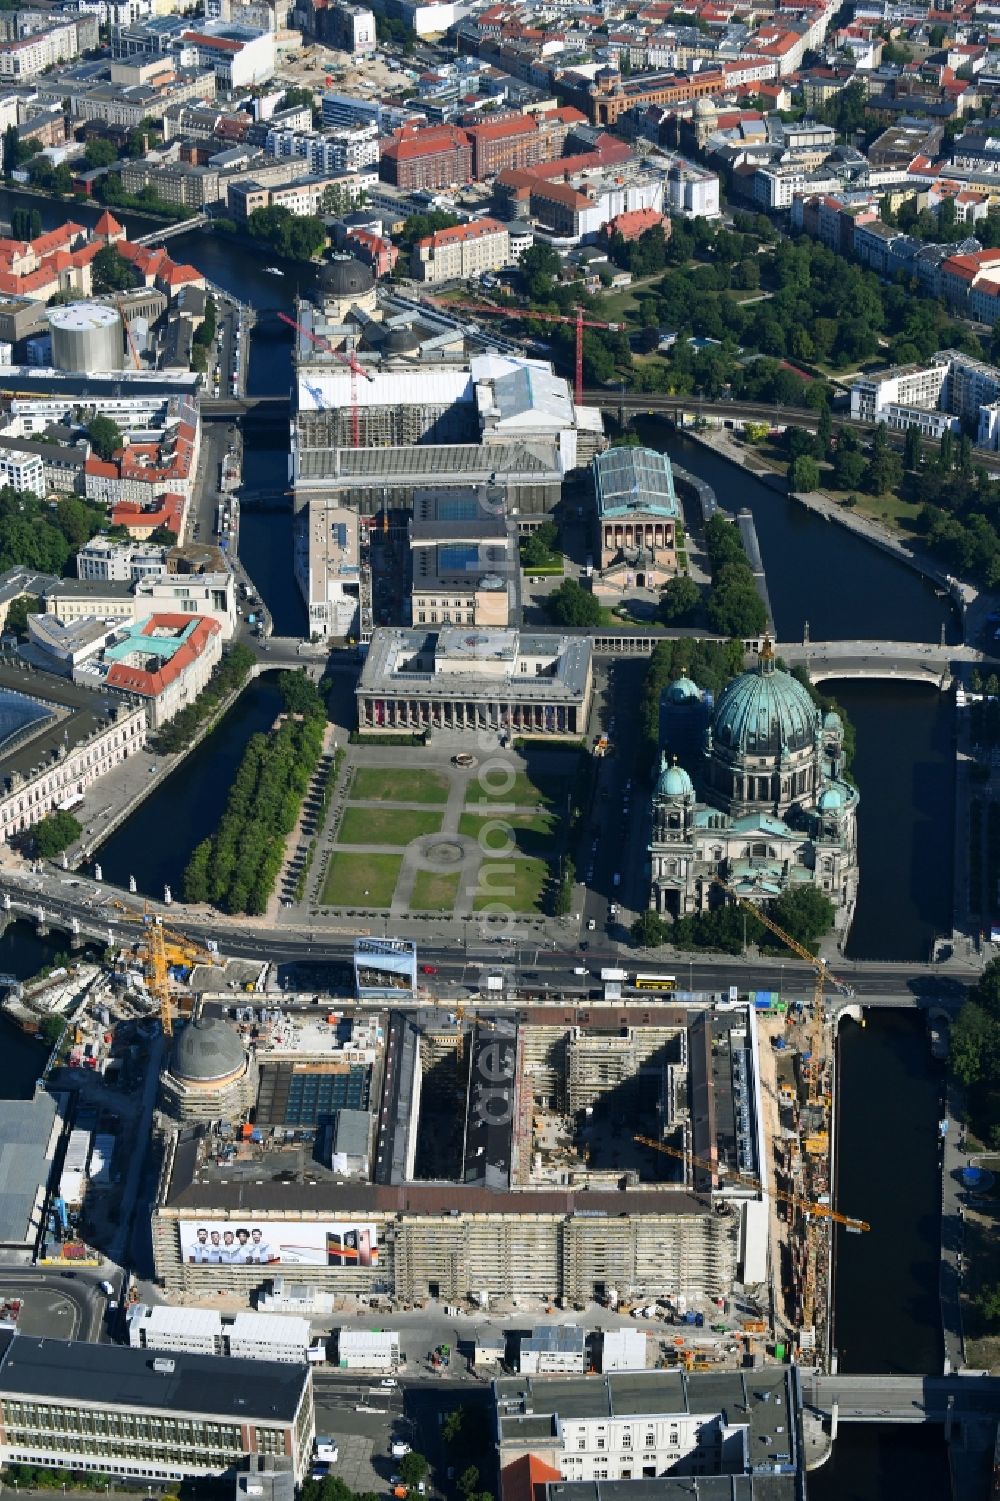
118, 1377
25, 1133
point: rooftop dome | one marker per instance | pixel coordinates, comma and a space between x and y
831, 800
345, 277
673, 780
208, 1050
704, 108
764, 712
832, 721
682, 691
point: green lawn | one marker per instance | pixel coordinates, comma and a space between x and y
360, 880
389, 784
386, 825
517, 884
522, 792
900, 515
433, 892
533, 833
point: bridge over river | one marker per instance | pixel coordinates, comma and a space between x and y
903, 1399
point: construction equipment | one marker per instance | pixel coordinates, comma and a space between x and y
131, 343
824, 977
818, 1211
153, 946
487, 309
348, 359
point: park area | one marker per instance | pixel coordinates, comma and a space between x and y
450, 840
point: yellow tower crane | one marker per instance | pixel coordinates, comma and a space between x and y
824, 977
153, 948
817, 1211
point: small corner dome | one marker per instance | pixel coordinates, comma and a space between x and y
683, 691
207, 1050
831, 800
832, 721
673, 781
345, 277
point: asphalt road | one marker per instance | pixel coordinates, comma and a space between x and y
64, 1305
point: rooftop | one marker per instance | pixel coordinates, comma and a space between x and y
25, 1135
634, 479
118, 1378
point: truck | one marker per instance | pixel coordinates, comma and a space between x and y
614, 974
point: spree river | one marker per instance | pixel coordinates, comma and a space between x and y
886, 1309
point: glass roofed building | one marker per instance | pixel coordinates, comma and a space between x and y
768, 806
637, 518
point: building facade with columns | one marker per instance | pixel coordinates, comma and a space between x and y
537, 682
772, 808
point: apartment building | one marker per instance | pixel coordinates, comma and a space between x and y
238, 55
119, 562
27, 56
462, 252
345, 151
180, 183
917, 386
436, 156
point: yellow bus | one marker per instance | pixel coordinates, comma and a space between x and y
655, 982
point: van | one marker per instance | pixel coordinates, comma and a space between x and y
325, 1450
581, 970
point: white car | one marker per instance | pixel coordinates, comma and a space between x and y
388, 1383
399, 1448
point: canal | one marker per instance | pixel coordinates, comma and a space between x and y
156, 842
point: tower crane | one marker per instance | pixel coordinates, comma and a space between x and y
153, 948
824, 976
349, 359
798, 1201
488, 309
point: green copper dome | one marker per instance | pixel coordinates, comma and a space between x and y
830, 800
682, 691
673, 780
763, 712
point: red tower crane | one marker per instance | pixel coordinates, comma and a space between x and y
580, 321
349, 360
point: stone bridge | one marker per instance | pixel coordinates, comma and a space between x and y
910, 661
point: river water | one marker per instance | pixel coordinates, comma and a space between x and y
887, 1316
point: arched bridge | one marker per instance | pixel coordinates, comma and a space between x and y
909, 661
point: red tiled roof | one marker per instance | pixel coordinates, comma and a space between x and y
525, 1479
461, 232
152, 683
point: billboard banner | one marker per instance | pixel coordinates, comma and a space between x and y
278, 1243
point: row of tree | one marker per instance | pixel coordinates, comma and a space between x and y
735, 607
229, 675
236, 869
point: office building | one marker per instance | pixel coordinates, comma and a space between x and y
29, 1134
702, 1435
375, 1350
127, 1413
554, 1349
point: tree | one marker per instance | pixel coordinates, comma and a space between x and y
571, 604
111, 272
13, 151
54, 833
539, 268
298, 237
824, 431
803, 474
300, 694
105, 436
18, 611
912, 449
52, 1029
413, 1468
805, 912
649, 931
99, 153
848, 468
680, 600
